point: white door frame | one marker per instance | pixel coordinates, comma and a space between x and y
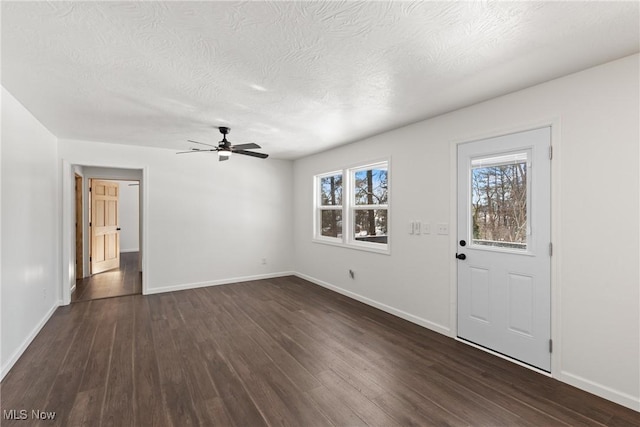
556, 320
68, 223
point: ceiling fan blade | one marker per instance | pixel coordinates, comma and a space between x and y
202, 143
195, 150
244, 146
251, 153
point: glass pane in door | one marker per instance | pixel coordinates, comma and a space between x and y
499, 207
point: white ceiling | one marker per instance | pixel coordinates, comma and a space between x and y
295, 77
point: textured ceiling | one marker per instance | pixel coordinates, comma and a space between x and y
295, 77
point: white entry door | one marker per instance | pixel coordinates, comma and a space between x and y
504, 249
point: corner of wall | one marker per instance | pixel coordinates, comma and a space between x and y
28, 339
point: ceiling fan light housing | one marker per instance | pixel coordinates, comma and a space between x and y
224, 153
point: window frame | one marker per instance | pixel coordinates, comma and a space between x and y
319, 207
528, 153
349, 208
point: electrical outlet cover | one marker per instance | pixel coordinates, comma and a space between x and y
443, 228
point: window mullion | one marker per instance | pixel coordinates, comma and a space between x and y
369, 207
349, 198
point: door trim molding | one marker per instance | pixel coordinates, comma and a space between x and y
555, 123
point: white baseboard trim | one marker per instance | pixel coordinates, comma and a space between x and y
574, 380
396, 312
122, 251
73, 288
16, 354
631, 402
185, 286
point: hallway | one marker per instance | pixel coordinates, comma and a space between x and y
126, 280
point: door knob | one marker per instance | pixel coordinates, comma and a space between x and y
461, 256
118, 229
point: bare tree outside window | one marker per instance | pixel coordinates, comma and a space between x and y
331, 206
499, 205
371, 199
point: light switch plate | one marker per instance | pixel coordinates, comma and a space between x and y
426, 228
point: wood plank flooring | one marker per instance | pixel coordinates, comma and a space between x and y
125, 280
275, 352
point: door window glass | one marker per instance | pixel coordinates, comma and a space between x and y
499, 208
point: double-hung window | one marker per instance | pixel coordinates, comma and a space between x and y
352, 207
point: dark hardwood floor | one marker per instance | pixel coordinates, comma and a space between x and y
126, 280
275, 352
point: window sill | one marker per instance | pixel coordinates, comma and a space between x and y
360, 247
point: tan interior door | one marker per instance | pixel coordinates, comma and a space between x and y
79, 223
105, 230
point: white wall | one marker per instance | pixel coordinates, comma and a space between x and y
30, 224
595, 296
208, 222
129, 216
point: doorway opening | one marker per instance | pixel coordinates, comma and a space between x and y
112, 241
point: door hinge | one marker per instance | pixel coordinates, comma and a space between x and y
89, 189
550, 152
89, 259
550, 248
550, 346
89, 224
